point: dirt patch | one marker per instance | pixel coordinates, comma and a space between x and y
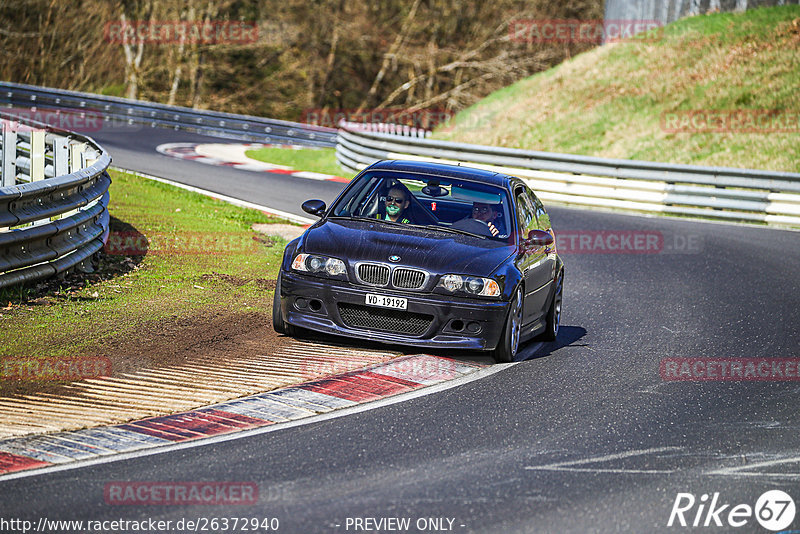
227, 279
286, 231
104, 267
265, 284
210, 337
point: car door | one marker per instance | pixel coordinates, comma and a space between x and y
532, 260
548, 270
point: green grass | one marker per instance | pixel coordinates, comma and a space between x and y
191, 238
322, 160
609, 101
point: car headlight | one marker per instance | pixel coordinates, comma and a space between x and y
313, 263
472, 285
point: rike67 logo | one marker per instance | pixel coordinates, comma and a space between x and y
774, 510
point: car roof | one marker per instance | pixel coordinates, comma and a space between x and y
441, 169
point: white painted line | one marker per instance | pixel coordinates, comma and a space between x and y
600, 470
225, 198
740, 470
342, 412
569, 464
313, 175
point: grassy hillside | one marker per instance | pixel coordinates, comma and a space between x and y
612, 101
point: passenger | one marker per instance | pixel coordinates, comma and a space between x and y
487, 213
396, 204
481, 221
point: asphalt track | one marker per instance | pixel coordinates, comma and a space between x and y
582, 436
136, 149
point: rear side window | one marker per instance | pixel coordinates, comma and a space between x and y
526, 212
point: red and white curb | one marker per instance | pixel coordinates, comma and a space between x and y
232, 155
380, 381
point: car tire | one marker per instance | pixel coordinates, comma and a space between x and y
508, 345
554, 313
278, 324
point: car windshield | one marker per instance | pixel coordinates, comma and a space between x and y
438, 203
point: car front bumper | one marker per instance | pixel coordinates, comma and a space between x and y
431, 320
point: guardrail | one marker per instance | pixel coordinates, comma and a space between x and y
691, 190
53, 201
126, 111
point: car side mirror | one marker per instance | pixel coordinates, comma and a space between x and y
539, 238
314, 207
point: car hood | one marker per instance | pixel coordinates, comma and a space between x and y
437, 252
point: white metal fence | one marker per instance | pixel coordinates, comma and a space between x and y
644, 186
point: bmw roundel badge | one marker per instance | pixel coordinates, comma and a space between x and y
394, 258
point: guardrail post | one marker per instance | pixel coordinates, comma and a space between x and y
37, 155
37, 163
60, 155
76, 151
8, 171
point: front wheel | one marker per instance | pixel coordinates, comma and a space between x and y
554, 313
509, 340
278, 324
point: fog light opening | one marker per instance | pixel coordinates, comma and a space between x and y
473, 327
315, 305
301, 303
457, 325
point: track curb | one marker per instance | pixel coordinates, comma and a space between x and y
189, 151
345, 390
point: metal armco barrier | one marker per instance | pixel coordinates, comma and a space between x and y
53, 201
691, 190
113, 112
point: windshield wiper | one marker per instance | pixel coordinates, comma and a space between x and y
455, 231
409, 225
350, 217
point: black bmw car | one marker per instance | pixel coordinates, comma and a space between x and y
428, 255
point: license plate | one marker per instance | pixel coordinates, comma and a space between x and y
383, 301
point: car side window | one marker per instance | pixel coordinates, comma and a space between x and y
526, 212
541, 215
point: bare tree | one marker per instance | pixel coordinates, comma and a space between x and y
134, 47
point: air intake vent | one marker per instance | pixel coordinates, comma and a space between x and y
401, 322
408, 278
373, 274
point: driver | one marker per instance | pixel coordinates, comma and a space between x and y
396, 204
